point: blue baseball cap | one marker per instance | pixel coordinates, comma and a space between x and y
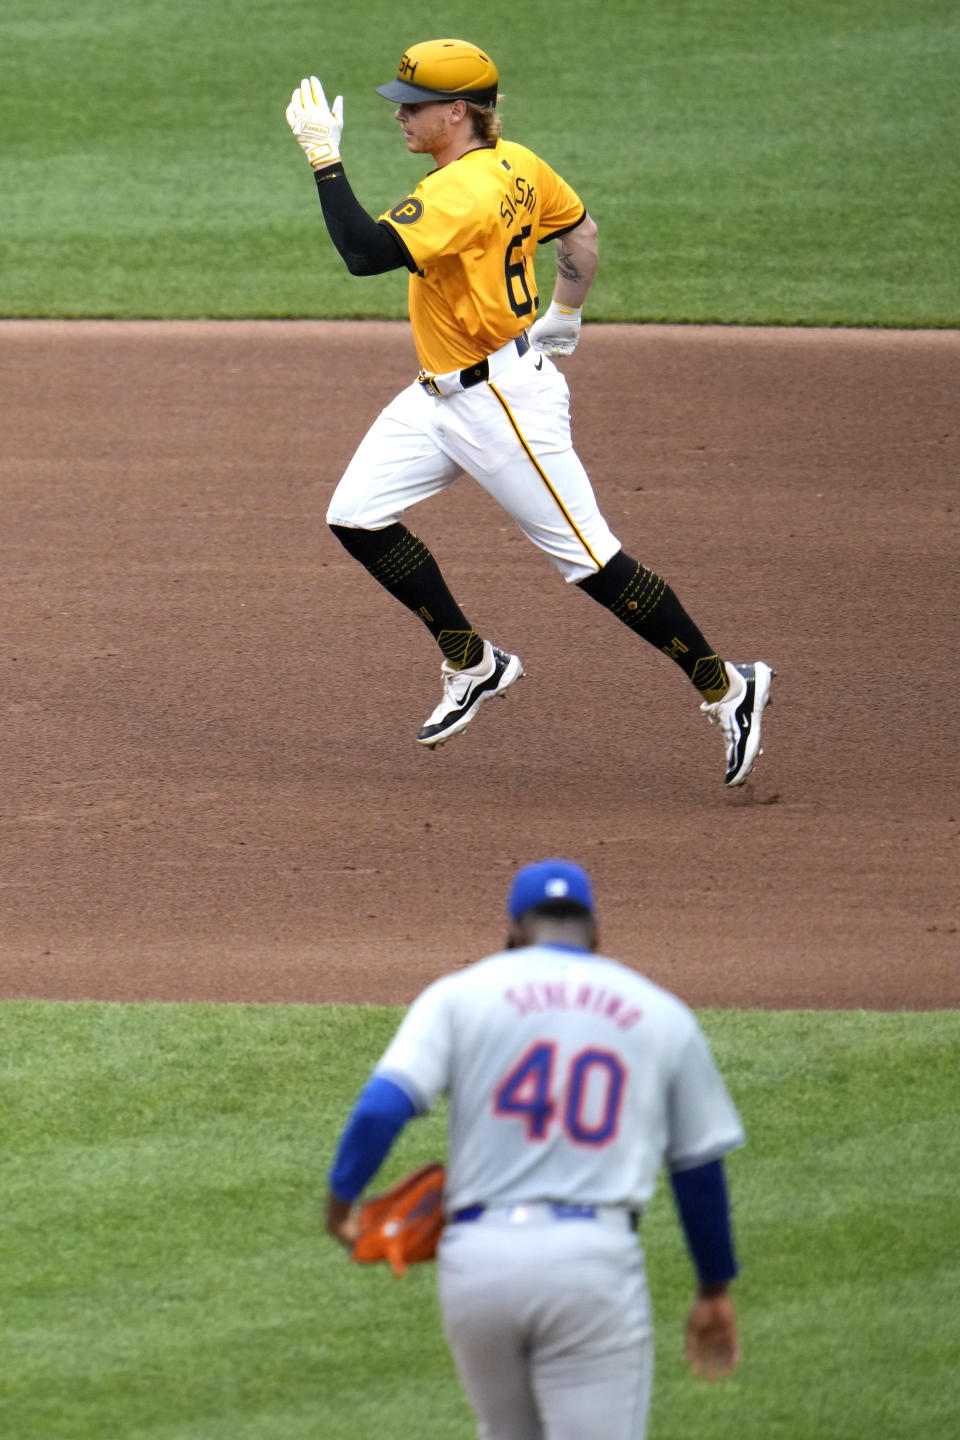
549, 880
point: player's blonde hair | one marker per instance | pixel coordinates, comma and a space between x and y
487, 123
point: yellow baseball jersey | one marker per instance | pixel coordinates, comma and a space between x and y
472, 228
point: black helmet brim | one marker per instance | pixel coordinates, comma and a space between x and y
401, 92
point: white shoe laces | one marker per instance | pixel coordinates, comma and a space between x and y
723, 712
456, 683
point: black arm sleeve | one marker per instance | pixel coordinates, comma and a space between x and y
368, 246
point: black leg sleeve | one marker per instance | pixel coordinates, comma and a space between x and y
402, 564
645, 603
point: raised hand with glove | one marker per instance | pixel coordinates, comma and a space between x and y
366, 247
316, 126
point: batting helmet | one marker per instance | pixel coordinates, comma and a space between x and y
444, 70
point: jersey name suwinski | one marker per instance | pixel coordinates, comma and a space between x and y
472, 228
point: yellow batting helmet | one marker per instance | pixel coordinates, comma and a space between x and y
443, 70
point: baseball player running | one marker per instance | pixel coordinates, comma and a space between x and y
489, 401
571, 1081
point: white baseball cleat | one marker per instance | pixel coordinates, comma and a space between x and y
463, 690
738, 716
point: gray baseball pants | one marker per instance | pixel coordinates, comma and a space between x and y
549, 1324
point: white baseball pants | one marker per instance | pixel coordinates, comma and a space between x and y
511, 433
550, 1328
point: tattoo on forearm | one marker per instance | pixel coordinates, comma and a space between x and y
566, 265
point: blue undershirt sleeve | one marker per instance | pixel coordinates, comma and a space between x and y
379, 1115
704, 1210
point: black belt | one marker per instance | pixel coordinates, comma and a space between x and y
476, 374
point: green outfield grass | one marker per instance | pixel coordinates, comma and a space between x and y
164, 1275
747, 160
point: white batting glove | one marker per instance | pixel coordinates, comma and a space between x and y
558, 329
316, 125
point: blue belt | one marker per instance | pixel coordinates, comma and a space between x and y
557, 1210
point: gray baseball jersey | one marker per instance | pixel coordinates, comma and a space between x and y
571, 1078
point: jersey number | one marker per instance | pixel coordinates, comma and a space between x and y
590, 1109
515, 273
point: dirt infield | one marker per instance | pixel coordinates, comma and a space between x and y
211, 786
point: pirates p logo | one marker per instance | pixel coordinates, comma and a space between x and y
407, 211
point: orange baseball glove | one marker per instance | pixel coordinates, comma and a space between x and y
404, 1224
